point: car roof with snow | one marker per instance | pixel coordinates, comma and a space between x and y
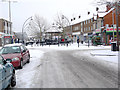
10, 45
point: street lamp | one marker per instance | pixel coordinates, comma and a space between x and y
23, 28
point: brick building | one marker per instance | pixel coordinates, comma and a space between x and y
109, 24
83, 29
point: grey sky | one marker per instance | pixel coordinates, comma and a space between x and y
45, 8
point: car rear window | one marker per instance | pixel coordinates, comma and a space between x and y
8, 50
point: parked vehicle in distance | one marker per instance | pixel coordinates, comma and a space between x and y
7, 74
18, 54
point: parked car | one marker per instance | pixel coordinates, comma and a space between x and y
18, 53
7, 74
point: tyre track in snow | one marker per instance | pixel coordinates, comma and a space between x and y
61, 69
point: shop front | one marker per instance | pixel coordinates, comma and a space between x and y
75, 36
108, 35
6, 39
97, 37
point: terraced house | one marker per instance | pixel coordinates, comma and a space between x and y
102, 24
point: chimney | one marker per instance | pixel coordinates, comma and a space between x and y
108, 7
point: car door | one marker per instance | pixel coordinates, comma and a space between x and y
5, 73
26, 53
8, 73
2, 74
23, 52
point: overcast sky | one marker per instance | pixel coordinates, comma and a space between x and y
48, 9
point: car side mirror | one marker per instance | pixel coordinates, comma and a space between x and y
4, 62
8, 60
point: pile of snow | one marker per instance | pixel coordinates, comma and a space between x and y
24, 76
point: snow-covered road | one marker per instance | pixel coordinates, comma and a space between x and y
51, 68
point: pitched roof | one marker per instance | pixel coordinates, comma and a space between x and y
54, 30
102, 14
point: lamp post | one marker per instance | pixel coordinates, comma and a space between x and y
113, 24
23, 28
116, 5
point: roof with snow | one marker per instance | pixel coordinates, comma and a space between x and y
54, 30
83, 18
102, 14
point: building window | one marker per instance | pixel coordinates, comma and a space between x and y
89, 28
101, 23
4, 31
84, 22
76, 28
92, 20
81, 27
89, 21
4, 23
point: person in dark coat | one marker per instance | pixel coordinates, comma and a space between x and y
78, 41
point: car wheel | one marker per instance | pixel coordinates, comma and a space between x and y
21, 64
28, 59
13, 80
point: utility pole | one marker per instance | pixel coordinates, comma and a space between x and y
116, 4
9, 10
113, 24
10, 16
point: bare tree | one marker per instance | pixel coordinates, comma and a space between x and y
61, 22
38, 26
111, 3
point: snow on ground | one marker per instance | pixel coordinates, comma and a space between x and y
73, 46
25, 75
106, 55
99, 52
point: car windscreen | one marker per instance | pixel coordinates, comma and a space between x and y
8, 50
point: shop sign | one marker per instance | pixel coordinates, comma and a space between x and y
98, 30
0, 35
7, 36
111, 29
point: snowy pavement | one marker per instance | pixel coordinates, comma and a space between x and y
102, 52
25, 75
50, 68
69, 67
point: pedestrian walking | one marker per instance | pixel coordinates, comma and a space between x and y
78, 41
88, 43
